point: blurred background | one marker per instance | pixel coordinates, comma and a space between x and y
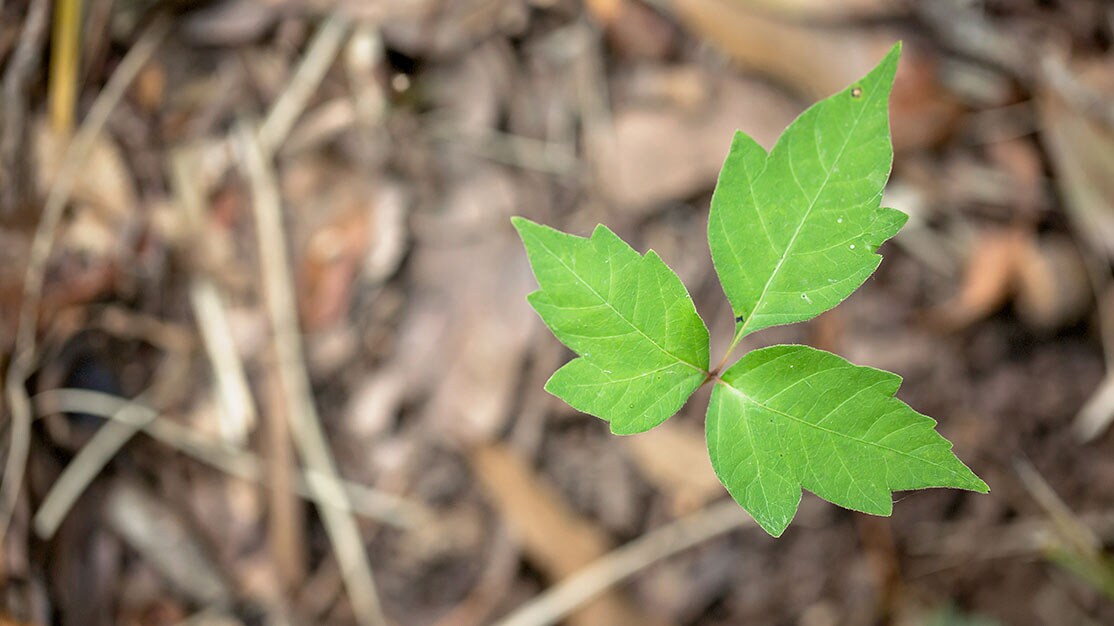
268, 360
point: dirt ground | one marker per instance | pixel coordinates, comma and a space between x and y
256, 255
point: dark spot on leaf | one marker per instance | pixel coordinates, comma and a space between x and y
856, 92
739, 319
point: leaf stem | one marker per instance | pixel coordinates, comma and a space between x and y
739, 334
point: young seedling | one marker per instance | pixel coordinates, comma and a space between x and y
792, 234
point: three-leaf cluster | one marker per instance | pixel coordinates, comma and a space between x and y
792, 234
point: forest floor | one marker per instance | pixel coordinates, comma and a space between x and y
281, 231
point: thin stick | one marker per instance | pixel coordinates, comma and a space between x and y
23, 359
24, 62
320, 54
309, 437
84, 467
562, 599
239, 414
285, 519
363, 500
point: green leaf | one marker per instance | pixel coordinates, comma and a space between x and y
643, 347
787, 417
794, 233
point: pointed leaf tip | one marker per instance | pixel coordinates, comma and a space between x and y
792, 232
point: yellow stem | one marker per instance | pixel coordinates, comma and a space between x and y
65, 51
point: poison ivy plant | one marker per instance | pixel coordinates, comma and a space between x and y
792, 234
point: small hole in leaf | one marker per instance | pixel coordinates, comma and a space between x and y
856, 92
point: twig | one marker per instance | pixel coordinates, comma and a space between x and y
1097, 412
153, 529
320, 54
23, 358
362, 500
562, 599
105, 444
1073, 544
239, 413
84, 467
308, 435
518, 151
1054, 72
65, 52
285, 525
1064, 521
24, 62
212, 616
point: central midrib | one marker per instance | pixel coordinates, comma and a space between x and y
801, 224
794, 418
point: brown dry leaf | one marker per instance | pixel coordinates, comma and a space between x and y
557, 540
989, 279
817, 61
1082, 152
159, 535
1053, 286
457, 532
682, 86
337, 213
373, 405
149, 89
332, 258
466, 325
482, 351
668, 154
229, 511
103, 182
1020, 160
675, 459
604, 11
633, 29
1045, 277
923, 113
389, 233
87, 233
823, 9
